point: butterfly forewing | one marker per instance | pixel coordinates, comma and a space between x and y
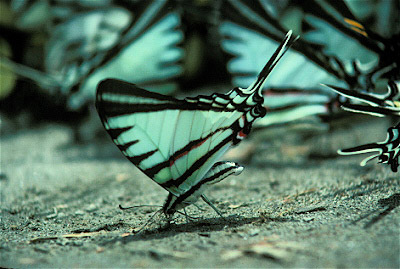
174, 142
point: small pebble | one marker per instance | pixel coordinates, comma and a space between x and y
91, 208
308, 219
77, 243
254, 232
61, 215
79, 212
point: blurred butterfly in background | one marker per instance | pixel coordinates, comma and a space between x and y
379, 105
376, 62
366, 56
135, 41
248, 31
334, 47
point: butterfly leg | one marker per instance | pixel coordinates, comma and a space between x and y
199, 208
205, 199
187, 216
218, 172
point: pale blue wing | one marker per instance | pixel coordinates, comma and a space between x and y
77, 44
336, 43
155, 133
250, 49
139, 46
213, 139
151, 60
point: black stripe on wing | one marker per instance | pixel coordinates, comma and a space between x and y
393, 90
112, 99
114, 133
337, 14
379, 106
255, 16
136, 160
124, 147
218, 100
229, 168
157, 168
198, 163
121, 88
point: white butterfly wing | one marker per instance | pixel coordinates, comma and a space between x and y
174, 142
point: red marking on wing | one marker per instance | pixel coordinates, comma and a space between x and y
173, 160
241, 134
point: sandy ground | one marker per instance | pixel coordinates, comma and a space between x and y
59, 207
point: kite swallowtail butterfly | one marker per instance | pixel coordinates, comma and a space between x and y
335, 49
374, 57
118, 43
248, 32
177, 142
387, 151
114, 39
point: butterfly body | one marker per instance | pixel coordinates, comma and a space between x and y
176, 142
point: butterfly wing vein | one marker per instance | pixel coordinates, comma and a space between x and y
174, 147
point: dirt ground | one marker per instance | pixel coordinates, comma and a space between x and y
59, 207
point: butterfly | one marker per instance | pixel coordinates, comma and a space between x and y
177, 142
248, 31
365, 55
335, 47
151, 32
95, 40
376, 58
387, 151
34, 15
379, 105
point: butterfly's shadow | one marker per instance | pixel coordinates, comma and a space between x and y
201, 226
